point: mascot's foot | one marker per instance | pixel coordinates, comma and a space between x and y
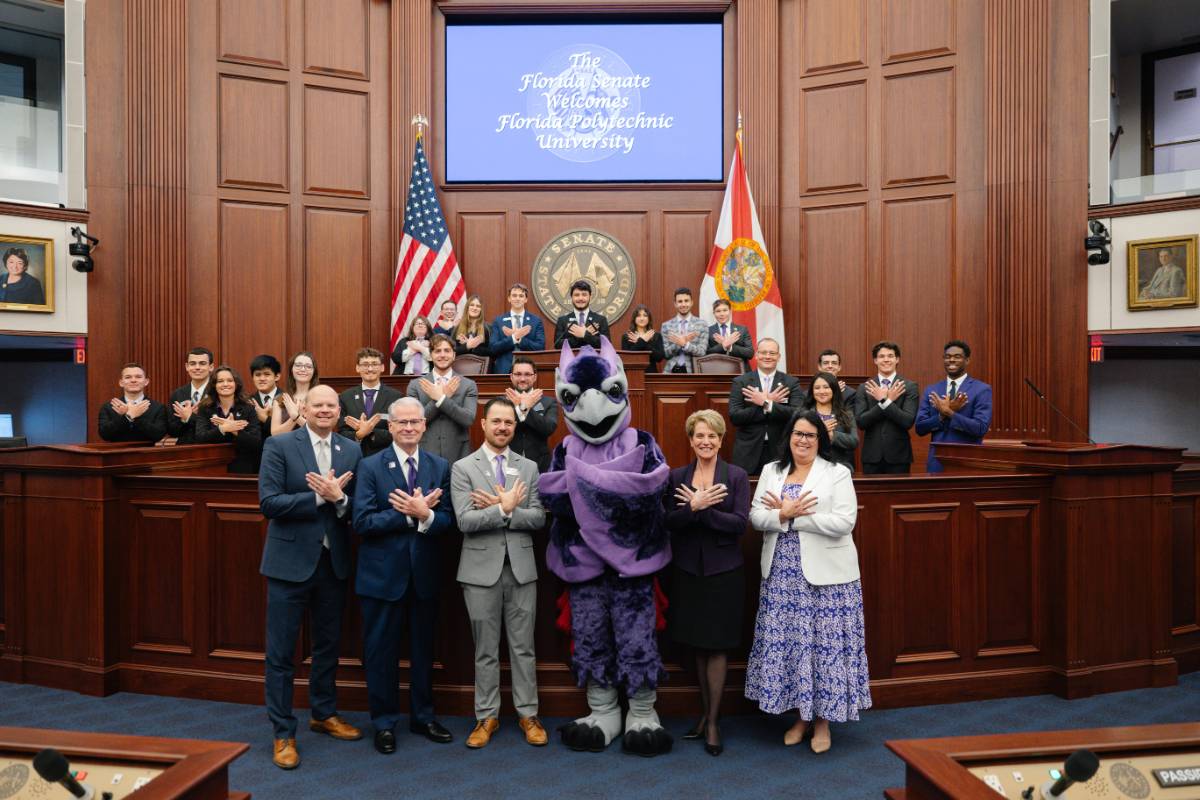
596, 731
644, 734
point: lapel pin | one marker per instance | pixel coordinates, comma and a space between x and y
391, 465
337, 447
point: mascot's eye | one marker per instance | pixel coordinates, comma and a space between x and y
569, 397
615, 391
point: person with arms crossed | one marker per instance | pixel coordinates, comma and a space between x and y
641, 337
760, 404
581, 325
447, 319
449, 401
364, 406
497, 509
518, 331
885, 409
537, 414
472, 331
133, 417
304, 491
825, 397
185, 399
226, 416
411, 356
685, 335
288, 412
401, 506
265, 372
726, 337
963, 413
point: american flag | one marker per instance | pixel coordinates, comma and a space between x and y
427, 272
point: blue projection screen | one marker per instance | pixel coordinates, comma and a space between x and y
584, 102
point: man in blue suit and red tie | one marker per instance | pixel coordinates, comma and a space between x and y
401, 504
304, 488
963, 413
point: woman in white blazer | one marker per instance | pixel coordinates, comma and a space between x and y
809, 650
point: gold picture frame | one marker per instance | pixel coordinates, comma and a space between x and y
1162, 273
35, 289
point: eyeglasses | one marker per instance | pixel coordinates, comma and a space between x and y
407, 423
804, 436
307, 367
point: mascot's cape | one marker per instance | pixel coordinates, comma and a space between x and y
605, 482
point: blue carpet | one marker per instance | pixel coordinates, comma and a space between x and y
755, 763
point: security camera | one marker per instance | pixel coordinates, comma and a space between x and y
1098, 240
82, 247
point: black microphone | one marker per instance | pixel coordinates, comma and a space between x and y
1079, 768
1057, 410
53, 768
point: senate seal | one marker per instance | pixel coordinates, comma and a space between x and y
1129, 781
13, 779
585, 254
744, 274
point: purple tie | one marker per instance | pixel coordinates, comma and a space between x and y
369, 401
418, 365
412, 475
500, 471
887, 382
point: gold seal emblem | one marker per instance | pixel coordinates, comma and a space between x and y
584, 254
744, 275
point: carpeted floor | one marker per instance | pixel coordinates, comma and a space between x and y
755, 763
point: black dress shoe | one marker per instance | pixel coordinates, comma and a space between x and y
696, 732
385, 742
433, 731
714, 748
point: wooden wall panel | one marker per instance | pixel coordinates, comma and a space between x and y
336, 248
254, 141
4, 509
835, 138
687, 241
1185, 558
1009, 566
336, 40
918, 28
918, 128
482, 243
835, 34
238, 605
924, 607
162, 592
253, 32
917, 246
336, 142
836, 236
670, 414
253, 257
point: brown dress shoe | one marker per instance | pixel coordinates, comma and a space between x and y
335, 727
535, 734
286, 754
482, 734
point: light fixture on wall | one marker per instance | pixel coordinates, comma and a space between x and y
1098, 240
83, 247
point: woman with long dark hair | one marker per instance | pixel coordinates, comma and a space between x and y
226, 415
641, 336
302, 375
825, 397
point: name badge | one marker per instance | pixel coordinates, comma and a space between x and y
511, 471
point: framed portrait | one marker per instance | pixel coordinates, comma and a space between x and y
26, 274
1162, 273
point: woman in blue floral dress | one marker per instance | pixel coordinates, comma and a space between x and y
809, 650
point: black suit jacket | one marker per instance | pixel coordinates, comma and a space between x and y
185, 432
708, 542
265, 427
149, 427
351, 402
885, 438
247, 444
759, 433
531, 435
743, 348
567, 320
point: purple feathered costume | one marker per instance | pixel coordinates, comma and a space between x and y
607, 539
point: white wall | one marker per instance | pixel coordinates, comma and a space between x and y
1145, 402
1099, 86
1107, 284
1127, 160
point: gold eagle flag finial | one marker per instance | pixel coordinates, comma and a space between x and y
420, 121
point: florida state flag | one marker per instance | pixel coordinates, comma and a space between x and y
739, 269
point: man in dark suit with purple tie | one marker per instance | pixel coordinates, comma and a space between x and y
885, 408
364, 407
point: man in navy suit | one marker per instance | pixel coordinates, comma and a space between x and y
304, 487
401, 504
963, 413
726, 337
518, 330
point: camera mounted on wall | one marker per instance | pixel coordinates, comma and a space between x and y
82, 247
1098, 240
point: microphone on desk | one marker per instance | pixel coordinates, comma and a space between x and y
1057, 410
1079, 768
52, 766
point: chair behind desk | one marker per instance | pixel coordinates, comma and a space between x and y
468, 364
718, 364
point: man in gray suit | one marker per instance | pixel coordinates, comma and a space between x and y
449, 400
495, 497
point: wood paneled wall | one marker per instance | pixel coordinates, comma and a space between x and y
919, 167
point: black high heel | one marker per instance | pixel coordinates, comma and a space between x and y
696, 732
717, 748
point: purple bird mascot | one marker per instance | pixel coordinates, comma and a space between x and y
607, 540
